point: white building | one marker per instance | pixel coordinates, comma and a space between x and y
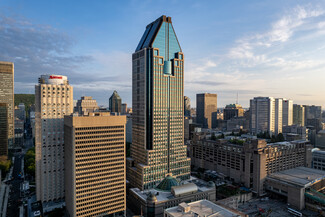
53, 100
287, 114
278, 115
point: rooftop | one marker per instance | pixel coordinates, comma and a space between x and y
167, 195
300, 176
201, 208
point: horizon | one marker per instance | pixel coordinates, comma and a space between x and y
255, 49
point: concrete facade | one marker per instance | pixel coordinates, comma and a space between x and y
86, 104
250, 163
298, 115
95, 165
53, 100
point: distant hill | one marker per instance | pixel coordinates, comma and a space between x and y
27, 99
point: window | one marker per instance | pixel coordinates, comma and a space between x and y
155, 52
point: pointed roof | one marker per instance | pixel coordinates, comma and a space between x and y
115, 95
155, 35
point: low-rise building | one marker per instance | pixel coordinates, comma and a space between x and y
169, 193
301, 131
201, 208
251, 161
318, 159
301, 186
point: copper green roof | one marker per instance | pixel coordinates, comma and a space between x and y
167, 183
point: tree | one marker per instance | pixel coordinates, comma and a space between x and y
280, 137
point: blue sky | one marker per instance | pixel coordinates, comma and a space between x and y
256, 48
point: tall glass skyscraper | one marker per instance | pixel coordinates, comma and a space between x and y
158, 149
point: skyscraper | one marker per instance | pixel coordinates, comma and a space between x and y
95, 164
158, 149
53, 100
287, 114
298, 115
7, 96
187, 106
263, 115
206, 104
115, 102
313, 116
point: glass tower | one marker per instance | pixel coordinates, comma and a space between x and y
158, 148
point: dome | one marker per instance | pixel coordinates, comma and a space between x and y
152, 197
211, 184
167, 183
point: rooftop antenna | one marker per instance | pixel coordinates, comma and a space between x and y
237, 98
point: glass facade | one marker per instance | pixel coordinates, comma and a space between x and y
158, 148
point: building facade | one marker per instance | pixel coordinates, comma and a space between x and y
298, 115
206, 106
251, 162
287, 114
53, 100
86, 104
7, 96
115, 102
158, 146
278, 115
313, 117
232, 110
262, 115
3, 129
187, 106
95, 165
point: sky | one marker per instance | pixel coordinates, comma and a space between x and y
250, 47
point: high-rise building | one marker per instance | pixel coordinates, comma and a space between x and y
287, 114
124, 108
206, 105
313, 117
115, 102
3, 129
232, 110
278, 108
187, 106
7, 96
95, 165
20, 112
298, 115
86, 104
266, 115
158, 153
53, 100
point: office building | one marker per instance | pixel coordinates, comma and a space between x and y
19, 132
278, 108
206, 105
124, 108
115, 102
287, 112
95, 165
262, 115
187, 106
232, 110
3, 129
158, 149
249, 163
298, 115
7, 97
297, 132
201, 208
85, 105
53, 100
313, 117
153, 202
320, 140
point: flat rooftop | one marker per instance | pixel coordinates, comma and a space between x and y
301, 176
165, 196
203, 208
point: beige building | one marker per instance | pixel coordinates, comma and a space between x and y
53, 100
7, 96
95, 165
206, 105
86, 104
251, 162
